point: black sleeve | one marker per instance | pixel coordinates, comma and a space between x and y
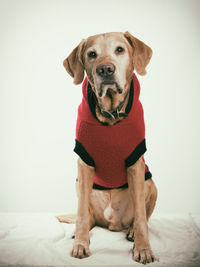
83, 154
148, 175
136, 154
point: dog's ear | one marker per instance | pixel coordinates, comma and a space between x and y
141, 53
74, 63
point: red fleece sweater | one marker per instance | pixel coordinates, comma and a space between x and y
111, 149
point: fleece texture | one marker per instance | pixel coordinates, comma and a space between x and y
111, 149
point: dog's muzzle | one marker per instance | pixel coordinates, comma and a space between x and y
106, 73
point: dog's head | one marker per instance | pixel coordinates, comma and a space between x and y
109, 60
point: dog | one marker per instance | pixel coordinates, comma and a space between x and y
115, 187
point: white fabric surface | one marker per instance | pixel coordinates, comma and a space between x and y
39, 239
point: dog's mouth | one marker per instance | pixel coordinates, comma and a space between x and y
110, 103
108, 88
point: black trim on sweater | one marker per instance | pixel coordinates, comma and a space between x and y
148, 175
130, 100
99, 187
136, 154
92, 100
83, 154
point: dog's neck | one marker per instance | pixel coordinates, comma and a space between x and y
114, 115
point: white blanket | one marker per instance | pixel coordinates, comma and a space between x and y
39, 239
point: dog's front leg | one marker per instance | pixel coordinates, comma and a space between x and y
141, 251
84, 217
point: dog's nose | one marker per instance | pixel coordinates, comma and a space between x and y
105, 70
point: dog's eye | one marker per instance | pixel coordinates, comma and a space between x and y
119, 49
92, 54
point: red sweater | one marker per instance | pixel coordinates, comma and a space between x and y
111, 149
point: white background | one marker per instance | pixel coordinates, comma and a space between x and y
38, 100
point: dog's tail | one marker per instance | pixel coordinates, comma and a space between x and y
68, 218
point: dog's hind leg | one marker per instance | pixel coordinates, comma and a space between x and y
151, 197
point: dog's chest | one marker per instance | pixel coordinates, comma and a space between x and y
113, 141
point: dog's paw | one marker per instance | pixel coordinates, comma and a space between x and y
144, 255
80, 250
130, 234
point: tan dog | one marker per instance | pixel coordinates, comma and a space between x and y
109, 60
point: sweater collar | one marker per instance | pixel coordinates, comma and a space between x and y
92, 100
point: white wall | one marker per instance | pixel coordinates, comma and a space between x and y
38, 101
